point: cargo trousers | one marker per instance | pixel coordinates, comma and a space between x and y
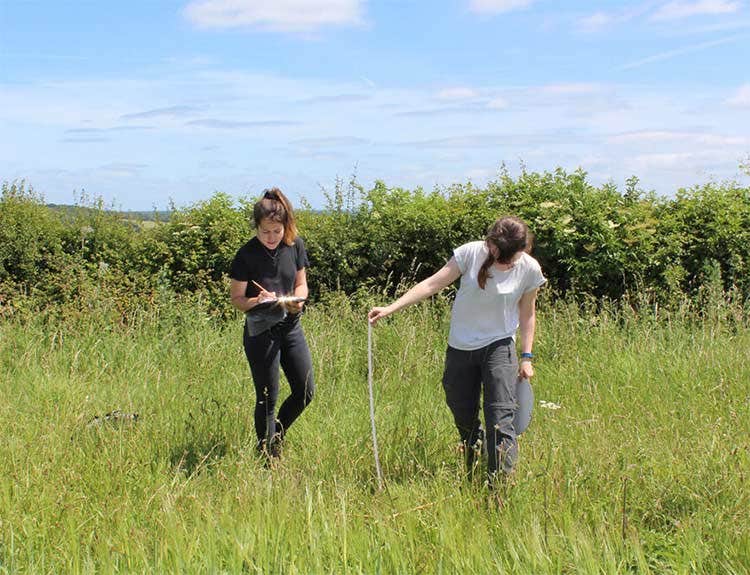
491, 372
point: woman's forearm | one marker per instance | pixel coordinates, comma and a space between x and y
528, 327
301, 291
243, 303
527, 320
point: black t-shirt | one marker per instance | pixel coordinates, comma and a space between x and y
275, 270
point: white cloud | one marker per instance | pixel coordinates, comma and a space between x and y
741, 98
497, 104
279, 15
683, 137
574, 88
122, 169
679, 9
601, 20
674, 161
480, 176
459, 93
497, 6
596, 22
679, 52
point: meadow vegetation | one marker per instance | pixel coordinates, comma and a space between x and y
642, 342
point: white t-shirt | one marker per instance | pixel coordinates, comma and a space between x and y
481, 316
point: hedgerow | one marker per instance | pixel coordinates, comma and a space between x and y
592, 242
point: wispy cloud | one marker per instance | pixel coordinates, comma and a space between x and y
84, 139
239, 124
474, 141
122, 169
275, 15
657, 11
332, 142
493, 105
169, 112
596, 22
680, 136
571, 89
85, 131
677, 161
680, 52
498, 6
741, 98
457, 93
601, 20
680, 9
730, 25
498, 140
498, 103
335, 99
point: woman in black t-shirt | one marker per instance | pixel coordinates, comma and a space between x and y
265, 272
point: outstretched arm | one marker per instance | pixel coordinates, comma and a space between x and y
444, 277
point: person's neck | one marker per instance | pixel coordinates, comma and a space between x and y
504, 267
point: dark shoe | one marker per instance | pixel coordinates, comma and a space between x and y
275, 446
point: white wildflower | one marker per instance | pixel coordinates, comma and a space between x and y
549, 404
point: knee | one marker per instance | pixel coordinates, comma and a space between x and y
305, 393
501, 407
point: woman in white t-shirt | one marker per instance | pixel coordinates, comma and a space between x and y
496, 297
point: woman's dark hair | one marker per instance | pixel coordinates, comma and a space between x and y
275, 206
509, 235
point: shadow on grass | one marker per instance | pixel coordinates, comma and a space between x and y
197, 455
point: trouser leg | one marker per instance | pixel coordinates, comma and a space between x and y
462, 382
500, 374
262, 352
296, 362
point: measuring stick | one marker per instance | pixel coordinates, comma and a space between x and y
372, 405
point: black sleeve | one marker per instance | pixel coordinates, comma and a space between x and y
302, 261
239, 271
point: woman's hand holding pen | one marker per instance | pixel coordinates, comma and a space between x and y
263, 294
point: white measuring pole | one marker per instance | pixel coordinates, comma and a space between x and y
372, 405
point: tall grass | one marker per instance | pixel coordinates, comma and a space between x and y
644, 468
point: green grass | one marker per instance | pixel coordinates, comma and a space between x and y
656, 411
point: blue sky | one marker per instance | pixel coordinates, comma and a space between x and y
144, 102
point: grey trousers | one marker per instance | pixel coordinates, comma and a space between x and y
493, 370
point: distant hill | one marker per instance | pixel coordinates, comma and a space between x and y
141, 216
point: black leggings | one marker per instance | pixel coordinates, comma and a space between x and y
284, 344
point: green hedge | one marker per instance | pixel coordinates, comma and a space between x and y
591, 241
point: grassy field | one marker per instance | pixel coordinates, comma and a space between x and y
643, 469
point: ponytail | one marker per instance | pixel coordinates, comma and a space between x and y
508, 235
484, 271
275, 206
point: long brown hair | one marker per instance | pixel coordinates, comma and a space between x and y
275, 206
509, 235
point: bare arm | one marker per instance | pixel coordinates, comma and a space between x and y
444, 277
527, 323
237, 291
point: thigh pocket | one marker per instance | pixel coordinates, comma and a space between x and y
501, 375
